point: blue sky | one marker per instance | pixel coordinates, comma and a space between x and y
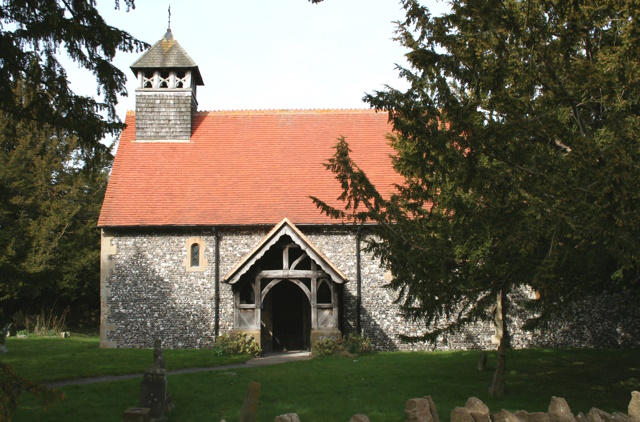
270, 54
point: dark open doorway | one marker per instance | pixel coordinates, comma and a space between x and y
286, 321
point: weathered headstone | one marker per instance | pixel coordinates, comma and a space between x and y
158, 356
289, 417
634, 406
359, 418
153, 390
250, 404
559, 410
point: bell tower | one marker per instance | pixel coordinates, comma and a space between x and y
166, 92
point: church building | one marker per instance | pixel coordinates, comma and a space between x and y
208, 226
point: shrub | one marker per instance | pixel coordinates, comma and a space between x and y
354, 345
236, 344
327, 346
358, 345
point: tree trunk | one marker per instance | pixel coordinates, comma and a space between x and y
497, 384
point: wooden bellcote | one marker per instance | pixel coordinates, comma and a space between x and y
166, 92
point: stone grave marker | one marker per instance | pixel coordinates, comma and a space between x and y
250, 404
153, 390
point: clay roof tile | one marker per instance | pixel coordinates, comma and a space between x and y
243, 168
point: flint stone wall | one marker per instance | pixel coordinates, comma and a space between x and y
150, 294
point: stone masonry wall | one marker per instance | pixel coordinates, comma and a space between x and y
150, 294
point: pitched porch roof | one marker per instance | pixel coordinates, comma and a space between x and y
285, 227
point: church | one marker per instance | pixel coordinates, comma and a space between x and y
208, 227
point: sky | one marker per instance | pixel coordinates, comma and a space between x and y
269, 54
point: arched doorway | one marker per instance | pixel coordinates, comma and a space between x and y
285, 318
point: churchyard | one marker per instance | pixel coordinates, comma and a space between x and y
329, 388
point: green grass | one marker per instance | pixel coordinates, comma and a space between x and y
334, 389
50, 358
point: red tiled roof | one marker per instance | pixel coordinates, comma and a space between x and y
243, 168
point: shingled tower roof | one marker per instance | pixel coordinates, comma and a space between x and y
167, 54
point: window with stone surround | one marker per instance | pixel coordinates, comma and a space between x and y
195, 260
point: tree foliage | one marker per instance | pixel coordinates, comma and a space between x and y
33, 33
53, 165
518, 140
49, 204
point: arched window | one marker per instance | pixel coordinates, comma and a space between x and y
195, 260
323, 295
195, 255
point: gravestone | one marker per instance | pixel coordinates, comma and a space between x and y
250, 404
158, 355
153, 390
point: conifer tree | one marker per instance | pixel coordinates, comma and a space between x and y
519, 143
50, 200
53, 165
33, 34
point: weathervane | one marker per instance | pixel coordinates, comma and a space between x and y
169, 24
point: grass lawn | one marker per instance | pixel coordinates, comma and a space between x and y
52, 359
334, 389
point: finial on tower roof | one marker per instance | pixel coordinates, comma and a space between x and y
169, 36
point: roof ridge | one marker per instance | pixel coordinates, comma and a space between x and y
288, 111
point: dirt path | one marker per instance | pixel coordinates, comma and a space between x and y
269, 359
